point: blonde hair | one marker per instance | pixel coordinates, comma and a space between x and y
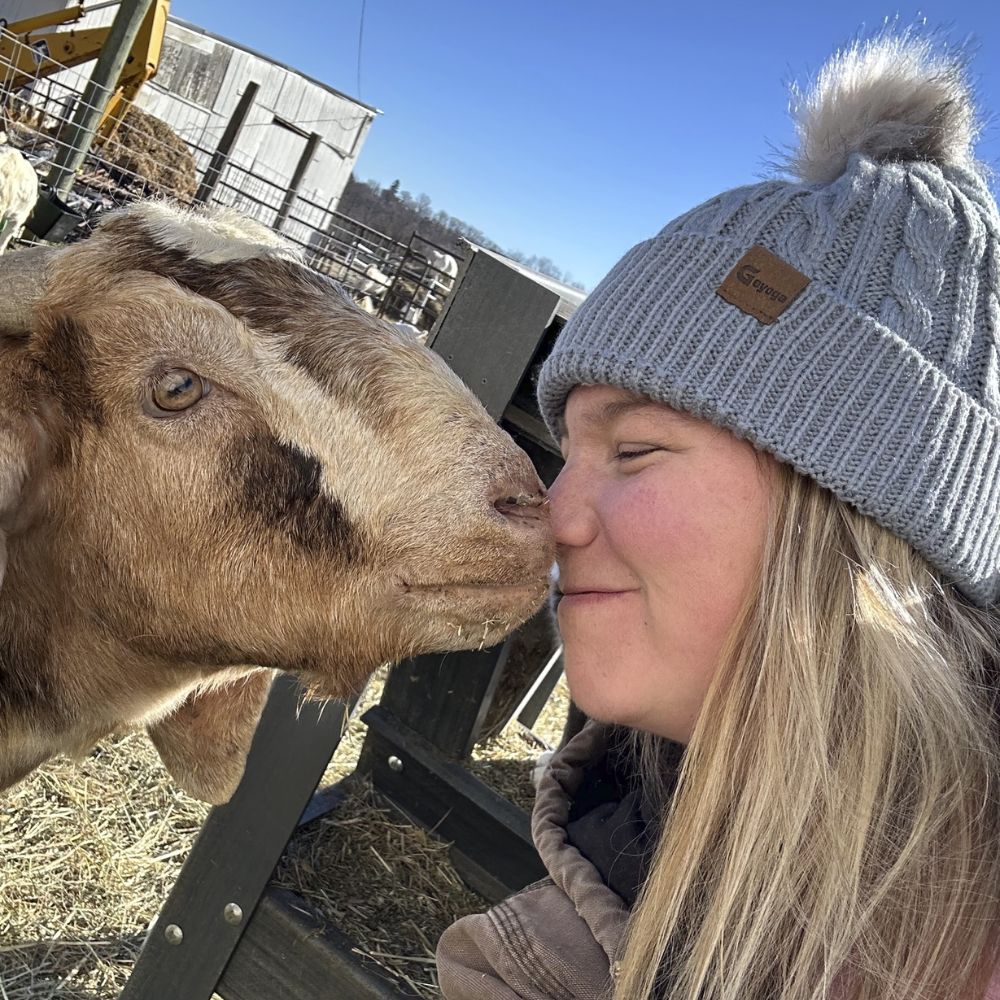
835, 831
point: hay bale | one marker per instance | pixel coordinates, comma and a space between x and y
154, 153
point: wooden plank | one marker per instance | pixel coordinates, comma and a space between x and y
484, 828
325, 801
193, 71
496, 319
290, 953
476, 877
237, 849
298, 176
444, 697
540, 692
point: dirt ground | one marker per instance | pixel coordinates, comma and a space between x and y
89, 850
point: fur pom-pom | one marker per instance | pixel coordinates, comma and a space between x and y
895, 97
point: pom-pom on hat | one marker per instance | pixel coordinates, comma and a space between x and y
846, 320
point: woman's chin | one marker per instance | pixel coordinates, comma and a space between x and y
615, 699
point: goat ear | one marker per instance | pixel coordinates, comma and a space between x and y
204, 743
23, 274
19, 441
23, 277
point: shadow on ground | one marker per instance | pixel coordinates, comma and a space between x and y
96, 968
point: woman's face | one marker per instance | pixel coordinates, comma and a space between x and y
659, 521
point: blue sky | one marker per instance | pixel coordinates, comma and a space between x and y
572, 129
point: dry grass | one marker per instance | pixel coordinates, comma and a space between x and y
89, 851
407, 894
144, 154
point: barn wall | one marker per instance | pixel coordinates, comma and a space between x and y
14, 10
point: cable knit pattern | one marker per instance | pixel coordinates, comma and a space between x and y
880, 380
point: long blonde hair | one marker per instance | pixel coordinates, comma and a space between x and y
835, 831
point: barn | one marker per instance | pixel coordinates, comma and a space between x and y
200, 79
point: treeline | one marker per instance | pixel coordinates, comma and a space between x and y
399, 215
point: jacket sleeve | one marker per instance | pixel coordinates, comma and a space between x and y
532, 946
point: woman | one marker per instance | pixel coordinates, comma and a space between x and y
779, 539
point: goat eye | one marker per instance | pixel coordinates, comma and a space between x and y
177, 390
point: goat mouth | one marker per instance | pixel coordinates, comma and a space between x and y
471, 589
477, 596
469, 614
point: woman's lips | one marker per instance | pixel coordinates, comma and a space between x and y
584, 598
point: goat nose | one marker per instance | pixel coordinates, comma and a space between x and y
522, 501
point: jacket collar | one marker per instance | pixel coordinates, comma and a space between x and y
603, 910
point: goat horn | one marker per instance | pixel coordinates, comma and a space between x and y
23, 276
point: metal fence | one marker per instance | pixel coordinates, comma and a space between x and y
406, 282
36, 112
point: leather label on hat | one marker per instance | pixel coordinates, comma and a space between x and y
762, 284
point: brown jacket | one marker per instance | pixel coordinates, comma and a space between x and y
556, 939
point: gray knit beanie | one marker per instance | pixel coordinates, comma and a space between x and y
846, 321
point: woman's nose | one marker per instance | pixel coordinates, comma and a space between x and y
573, 519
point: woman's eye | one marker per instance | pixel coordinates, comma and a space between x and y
625, 454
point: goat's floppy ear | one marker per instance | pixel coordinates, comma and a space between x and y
23, 276
204, 743
14, 451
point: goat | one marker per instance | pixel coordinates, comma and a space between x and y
443, 263
375, 282
214, 466
438, 281
18, 191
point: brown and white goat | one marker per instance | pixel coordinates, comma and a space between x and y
210, 458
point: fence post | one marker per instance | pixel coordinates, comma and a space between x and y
301, 167
221, 155
102, 83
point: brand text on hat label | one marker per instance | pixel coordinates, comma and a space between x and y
762, 284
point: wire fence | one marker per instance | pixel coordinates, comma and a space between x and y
38, 100
143, 157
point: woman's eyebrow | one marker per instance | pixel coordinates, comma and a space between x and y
622, 407
603, 415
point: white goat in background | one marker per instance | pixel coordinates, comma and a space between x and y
442, 274
375, 281
18, 191
443, 262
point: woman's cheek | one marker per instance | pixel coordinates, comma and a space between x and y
655, 518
